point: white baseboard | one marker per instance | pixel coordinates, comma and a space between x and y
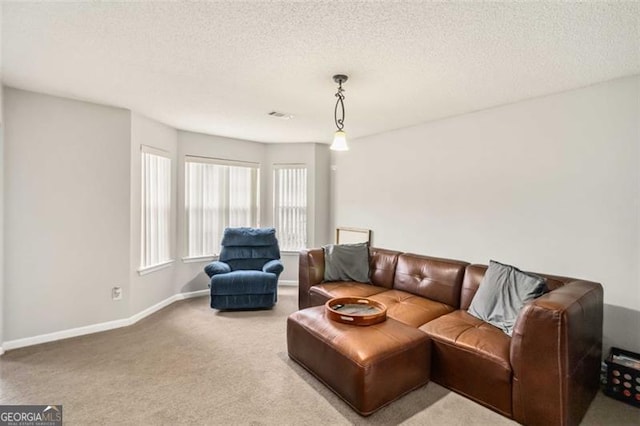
166, 302
95, 328
287, 283
192, 294
65, 334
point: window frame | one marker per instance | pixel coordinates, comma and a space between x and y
189, 258
276, 187
168, 217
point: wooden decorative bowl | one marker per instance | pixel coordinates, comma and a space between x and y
356, 310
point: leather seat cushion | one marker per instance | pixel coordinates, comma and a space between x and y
471, 357
367, 366
411, 309
319, 294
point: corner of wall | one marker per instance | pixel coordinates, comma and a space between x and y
322, 200
148, 290
78, 163
2, 310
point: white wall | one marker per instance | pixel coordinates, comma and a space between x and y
550, 184
147, 290
67, 166
1, 193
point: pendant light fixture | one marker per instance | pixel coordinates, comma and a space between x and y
340, 137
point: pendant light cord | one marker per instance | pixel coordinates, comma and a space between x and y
339, 102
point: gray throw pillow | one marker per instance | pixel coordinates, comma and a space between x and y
346, 262
502, 293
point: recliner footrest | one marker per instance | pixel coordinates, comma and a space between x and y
243, 301
244, 282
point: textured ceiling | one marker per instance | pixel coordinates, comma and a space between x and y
220, 67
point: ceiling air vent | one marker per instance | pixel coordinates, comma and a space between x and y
280, 115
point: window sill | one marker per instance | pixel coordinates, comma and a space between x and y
196, 259
153, 268
296, 252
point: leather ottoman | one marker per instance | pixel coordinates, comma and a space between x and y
368, 366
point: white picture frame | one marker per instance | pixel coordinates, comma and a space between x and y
345, 235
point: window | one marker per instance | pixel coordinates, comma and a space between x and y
290, 205
218, 194
156, 208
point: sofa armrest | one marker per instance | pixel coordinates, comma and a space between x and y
310, 273
273, 266
555, 353
216, 267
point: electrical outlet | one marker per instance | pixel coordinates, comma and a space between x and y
116, 293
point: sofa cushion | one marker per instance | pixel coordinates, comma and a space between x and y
319, 294
431, 277
382, 266
366, 366
503, 292
247, 264
244, 236
248, 252
346, 262
471, 357
410, 309
467, 332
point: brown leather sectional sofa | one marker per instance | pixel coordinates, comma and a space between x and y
547, 373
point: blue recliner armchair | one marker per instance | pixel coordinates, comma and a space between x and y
246, 274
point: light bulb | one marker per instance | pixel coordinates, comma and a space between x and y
339, 141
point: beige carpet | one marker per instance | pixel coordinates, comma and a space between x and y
189, 364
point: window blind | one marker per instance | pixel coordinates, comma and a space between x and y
290, 203
156, 208
218, 195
